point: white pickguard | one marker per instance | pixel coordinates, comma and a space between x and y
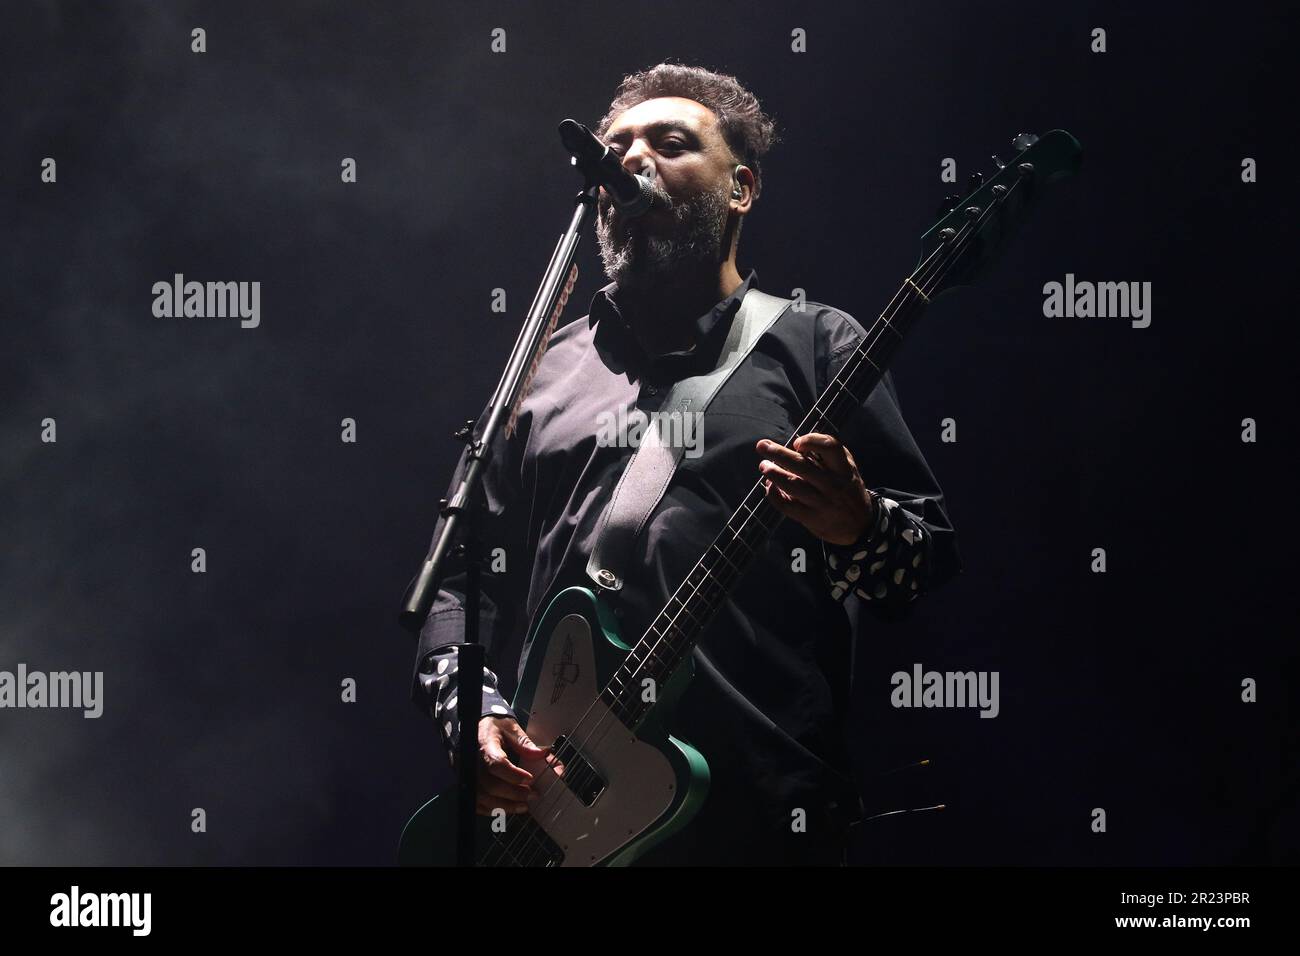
639, 780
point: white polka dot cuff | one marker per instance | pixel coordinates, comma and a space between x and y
888, 564
438, 676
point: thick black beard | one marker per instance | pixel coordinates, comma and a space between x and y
638, 261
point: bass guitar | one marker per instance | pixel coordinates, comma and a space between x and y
628, 783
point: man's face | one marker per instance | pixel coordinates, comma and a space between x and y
675, 142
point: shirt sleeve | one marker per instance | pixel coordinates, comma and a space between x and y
885, 564
440, 687
435, 681
911, 547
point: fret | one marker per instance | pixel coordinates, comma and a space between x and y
847, 401
654, 638
698, 617
761, 516
886, 323
816, 413
856, 375
670, 648
865, 356
724, 557
740, 536
748, 536
625, 712
697, 589
862, 388
661, 638
740, 515
700, 602
741, 540
707, 579
699, 571
669, 639
704, 599
685, 609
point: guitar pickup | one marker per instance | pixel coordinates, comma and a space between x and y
579, 776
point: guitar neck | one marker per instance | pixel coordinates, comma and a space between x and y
677, 628
960, 243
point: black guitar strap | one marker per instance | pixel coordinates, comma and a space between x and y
646, 476
642, 486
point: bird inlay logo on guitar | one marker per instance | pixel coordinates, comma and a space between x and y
565, 671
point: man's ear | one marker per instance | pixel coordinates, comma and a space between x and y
742, 185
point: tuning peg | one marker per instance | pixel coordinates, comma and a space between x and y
974, 182
1023, 142
465, 431
998, 163
947, 204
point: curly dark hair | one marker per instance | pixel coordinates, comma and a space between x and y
747, 129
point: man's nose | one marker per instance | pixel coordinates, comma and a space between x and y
639, 162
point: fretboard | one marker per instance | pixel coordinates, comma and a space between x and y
677, 628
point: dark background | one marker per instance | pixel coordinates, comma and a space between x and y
1119, 691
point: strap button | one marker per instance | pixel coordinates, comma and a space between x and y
605, 578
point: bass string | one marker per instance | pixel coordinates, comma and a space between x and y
953, 248
510, 848
738, 539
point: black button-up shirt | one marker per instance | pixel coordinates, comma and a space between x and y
767, 704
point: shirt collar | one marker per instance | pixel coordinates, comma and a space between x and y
613, 328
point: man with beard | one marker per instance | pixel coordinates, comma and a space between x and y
768, 702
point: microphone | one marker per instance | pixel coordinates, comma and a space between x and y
632, 194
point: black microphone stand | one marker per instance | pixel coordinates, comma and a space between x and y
457, 515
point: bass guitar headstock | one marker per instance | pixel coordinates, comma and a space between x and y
972, 229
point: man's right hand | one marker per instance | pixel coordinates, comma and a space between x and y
503, 784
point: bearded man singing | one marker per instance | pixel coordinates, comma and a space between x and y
770, 695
